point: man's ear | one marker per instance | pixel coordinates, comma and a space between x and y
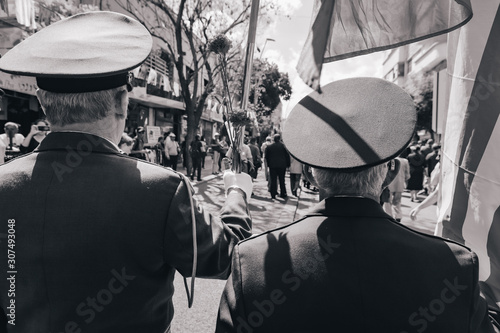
121, 103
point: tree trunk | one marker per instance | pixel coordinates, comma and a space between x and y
191, 132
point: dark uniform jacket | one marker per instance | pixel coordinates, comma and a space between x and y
349, 267
277, 156
98, 237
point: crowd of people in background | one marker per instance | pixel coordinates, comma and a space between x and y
417, 174
417, 162
269, 155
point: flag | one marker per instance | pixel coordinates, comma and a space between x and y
345, 28
470, 200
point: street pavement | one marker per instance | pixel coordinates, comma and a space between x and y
266, 214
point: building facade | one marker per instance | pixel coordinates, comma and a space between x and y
156, 101
427, 57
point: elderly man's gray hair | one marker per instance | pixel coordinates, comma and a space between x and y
70, 108
366, 182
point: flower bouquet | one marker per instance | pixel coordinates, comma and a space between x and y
234, 118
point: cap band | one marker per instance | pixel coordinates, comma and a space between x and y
81, 85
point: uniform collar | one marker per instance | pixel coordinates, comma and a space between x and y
79, 141
349, 206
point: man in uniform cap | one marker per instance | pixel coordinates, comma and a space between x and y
98, 235
348, 266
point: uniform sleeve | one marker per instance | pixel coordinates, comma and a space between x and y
482, 319
216, 235
231, 316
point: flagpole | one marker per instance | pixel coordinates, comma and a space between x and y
252, 30
247, 74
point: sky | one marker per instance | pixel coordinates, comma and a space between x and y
289, 35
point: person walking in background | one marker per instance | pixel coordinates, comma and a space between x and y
432, 198
295, 175
263, 150
224, 147
257, 159
195, 153
427, 148
431, 160
216, 148
12, 138
125, 144
278, 161
38, 132
172, 150
185, 154
203, 151
138, 150
417, 164
396, 188
160, 151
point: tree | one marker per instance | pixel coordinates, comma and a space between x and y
185, 27
420, 88
271, 86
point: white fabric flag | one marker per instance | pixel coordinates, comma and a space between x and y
470, 201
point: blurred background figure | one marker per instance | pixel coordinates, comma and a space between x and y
172, 151
432, 198
203, 151
12, 140
278, 160
216, 148
160, 151
126, 143
185, 154
224, 147
431, 160
295, 175
195, 152
256, 157
427, 148
38, 132
263, 149
396, 188
417, 164
138, 150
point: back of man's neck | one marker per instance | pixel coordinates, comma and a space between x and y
90, 128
